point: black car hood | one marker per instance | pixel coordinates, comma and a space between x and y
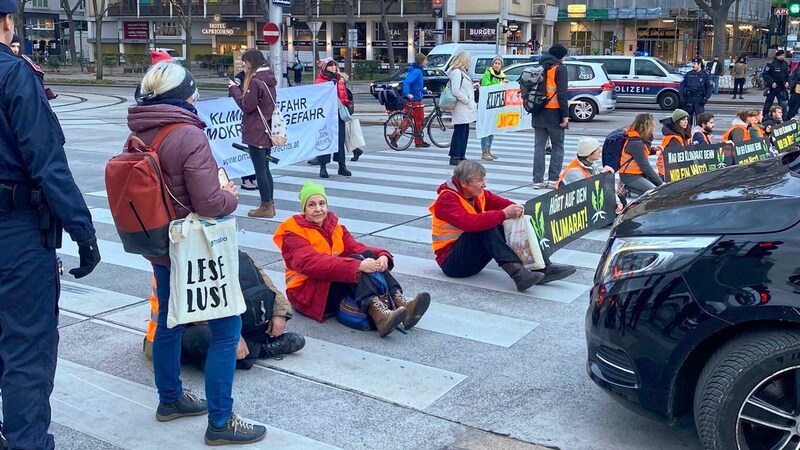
760, 197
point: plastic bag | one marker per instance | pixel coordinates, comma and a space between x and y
522, 239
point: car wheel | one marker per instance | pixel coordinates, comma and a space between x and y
748, 395
583, 111
668, 101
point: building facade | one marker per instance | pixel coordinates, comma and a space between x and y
45, 29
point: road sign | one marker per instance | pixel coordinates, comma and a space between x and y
314, 27
282, 3
781, 11
436, 31
271, 33
352, 38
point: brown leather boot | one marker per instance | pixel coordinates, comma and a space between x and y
485, 154
385, 319
416, 308
265, 210
492, 154
523, 278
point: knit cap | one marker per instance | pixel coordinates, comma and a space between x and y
678, 114
323, 63
420, 58
310, 188
558, 50
587, 146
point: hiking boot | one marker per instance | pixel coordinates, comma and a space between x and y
188, 405
344, 172
357, 154
147, 352
385, 319
323, 171
422, 145
485, 155
523, 278
415, 308
235, 431
313, 161
264, 210
283, 345
555, 272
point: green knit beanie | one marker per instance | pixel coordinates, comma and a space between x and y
310, 188
678, 114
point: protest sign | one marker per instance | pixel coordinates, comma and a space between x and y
500, 110
565, 214
751, 151
312, 118
684, 162
785, 135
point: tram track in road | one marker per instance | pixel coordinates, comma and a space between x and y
115, 100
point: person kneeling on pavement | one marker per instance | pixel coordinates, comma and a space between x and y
585, 165
263, 332
467, 230
327, 270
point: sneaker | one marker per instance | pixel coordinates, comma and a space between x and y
555, 272
188, 405
539, 185
248, 185
282, 345
235, 431
551, 185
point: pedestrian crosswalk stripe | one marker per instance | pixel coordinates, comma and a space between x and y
382, 165
351, 203
91, 301
96, 403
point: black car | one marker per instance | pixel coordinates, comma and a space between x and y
696, 305
433, 79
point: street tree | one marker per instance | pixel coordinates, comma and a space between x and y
99, 9
19, 17
184, 9
69, 11
385, 5
718, 11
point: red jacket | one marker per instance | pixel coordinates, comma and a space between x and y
341, 86
321, 270
448, 208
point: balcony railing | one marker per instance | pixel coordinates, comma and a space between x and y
223, 7
339, 7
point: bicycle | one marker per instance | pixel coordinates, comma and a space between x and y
756, 80
399, 127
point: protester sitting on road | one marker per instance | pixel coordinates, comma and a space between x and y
701, 133
467, 230
635, 170
167, 93
494, 75
744, 127
676, 133
775, 118
325, 264
585, 165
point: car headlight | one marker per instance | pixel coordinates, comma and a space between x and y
631, 257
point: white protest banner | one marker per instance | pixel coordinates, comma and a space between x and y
311, 114
500, 110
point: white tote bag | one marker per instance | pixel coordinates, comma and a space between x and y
522, 239
278, 131
204, 272
354, 138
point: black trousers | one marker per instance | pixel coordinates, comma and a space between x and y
361, 291
266, 187
340, 155
794, 106
780, 94
458, 144
693, 107
473, 251
738, 86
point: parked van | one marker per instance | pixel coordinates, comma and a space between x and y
481, 54
641, 79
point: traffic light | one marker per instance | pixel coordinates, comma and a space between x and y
794, 8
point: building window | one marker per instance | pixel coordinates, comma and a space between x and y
39, 3
582, 42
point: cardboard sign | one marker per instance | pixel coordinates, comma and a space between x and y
684, 162
563, 215
785, 135
751, 151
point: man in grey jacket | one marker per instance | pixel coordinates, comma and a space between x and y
553, 121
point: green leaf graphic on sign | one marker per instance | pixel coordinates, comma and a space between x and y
720, 158
538, 225
598, 199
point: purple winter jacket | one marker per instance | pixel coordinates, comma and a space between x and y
186, 160
256, 96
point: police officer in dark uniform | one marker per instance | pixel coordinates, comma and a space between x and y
695, 90
37, 197
776, 78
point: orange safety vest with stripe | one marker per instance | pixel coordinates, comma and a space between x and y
551, 89
442, 233
706, 137
727, 135
628, 164
573, 165
153, 322
660, 154
315, 238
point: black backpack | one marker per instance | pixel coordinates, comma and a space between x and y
612, 148
391, 99
532, 87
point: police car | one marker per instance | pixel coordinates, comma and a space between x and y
590, 91
641, 79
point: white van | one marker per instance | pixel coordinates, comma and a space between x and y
482, 55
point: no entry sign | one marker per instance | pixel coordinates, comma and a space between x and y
271, 33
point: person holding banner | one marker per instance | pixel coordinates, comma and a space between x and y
744, 127
329, 72
775, 118
494, 75
701, 133
325, 264
168, 92
467, 230
635, 170
676, 133
256, 97
585, 165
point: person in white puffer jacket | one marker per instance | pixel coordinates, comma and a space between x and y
466, 110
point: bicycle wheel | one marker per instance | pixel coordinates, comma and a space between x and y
399, 130
440, 129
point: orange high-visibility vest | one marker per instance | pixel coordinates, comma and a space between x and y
706, 137
315, 238
153, 322
627, 164
660, 154
573, 165
727, 135
551, 89
442, 233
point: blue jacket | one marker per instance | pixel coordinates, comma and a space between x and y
32, 146
414, 83
696, 87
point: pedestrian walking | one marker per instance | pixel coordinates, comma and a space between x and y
298, 71
695, 90
256, 97
553, 121
329, 72
494, 75
776, 78
466, 110
715, 69
168, 93
38, 196
739, 76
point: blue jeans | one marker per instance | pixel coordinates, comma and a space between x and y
486, 142
556, 135
220, 363
715, 79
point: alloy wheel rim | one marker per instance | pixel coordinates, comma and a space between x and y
583, 111
770, 415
